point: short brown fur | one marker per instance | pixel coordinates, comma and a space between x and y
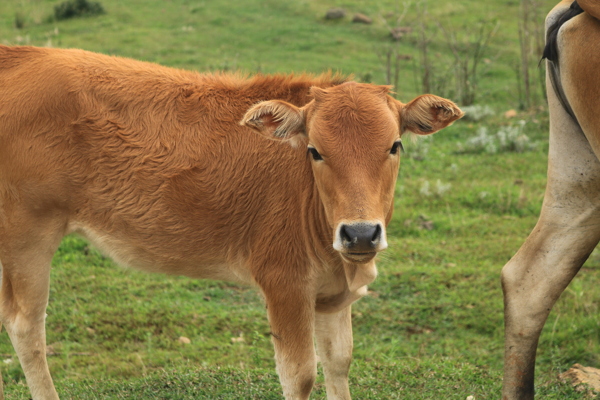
152, 165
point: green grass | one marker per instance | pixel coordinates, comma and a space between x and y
432, 326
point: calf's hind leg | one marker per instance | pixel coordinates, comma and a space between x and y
26, 255
566, 233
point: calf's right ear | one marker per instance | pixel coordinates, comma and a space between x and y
275, 119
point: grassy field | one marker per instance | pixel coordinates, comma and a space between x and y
432, 326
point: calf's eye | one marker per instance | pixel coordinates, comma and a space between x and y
315, 154
397, 146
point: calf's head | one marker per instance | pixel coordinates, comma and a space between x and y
352, 133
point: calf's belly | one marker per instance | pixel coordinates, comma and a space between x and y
162, 256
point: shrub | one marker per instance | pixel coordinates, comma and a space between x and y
439, 189
77, 8
477, 112
418, 147
511, 138
19, 20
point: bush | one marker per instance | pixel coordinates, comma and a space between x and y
418, 147
77, 8
510, 138
476, 112
19, 20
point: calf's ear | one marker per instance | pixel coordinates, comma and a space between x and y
275, 119
428, 114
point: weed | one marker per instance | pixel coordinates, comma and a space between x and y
257, 338
19, 20
439, 189
477, 112
468, 45
149, 343
77, 8
390, 55
530, 73
433, 77
458, 77
511, 138
419, 148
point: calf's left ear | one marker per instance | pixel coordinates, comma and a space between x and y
428, 114
275, 119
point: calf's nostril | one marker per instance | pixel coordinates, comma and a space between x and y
347, 239
376, 235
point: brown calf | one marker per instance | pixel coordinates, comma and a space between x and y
153, 166
569, 225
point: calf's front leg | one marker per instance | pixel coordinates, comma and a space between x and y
291, 316
333, 332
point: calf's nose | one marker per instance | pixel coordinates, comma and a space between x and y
361, 237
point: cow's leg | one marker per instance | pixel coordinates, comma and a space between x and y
566, 233
334, 345
291, 316
26, 254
